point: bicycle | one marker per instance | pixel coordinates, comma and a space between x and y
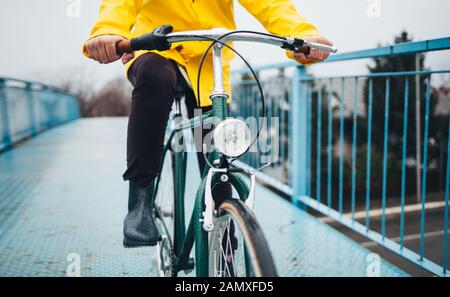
228, 239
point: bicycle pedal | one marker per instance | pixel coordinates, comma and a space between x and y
189, 266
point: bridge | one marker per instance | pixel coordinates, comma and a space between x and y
61, 193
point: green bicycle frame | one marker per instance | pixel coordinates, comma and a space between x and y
184, 239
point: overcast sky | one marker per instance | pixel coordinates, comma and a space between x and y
41, 41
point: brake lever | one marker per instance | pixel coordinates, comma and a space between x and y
302, 46
296, 45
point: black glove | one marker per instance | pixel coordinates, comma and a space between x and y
156, 40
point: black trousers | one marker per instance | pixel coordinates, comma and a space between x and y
155, 80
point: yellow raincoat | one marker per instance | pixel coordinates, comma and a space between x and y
131, 18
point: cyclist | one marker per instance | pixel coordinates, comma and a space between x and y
154, 76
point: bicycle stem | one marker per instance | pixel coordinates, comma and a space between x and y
219, 95
219, 90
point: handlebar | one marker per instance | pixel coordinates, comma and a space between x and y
161, 39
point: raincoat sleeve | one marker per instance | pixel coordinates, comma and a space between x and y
280, 17
116, 17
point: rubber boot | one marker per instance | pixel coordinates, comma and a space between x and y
139, 228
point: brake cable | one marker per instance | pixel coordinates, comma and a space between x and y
263, 107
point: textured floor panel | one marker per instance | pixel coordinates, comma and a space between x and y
62, 193
303, 246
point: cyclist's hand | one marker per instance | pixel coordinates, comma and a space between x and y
127, 57
315, 56
103, 48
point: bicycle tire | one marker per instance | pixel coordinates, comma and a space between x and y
254, 241
166, 226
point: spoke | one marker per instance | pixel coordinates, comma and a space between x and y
215, 263
224, 253
228, 243
231, 251
228, 236
225, 260
231, 248
220, 244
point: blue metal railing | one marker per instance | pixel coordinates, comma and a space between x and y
27, 108
343, 161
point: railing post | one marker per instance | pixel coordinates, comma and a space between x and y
74, 108
300, 136
31, 107
6, 135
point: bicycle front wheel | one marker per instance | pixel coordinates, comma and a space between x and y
238, 247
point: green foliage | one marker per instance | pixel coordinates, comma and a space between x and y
396, 104
437, 131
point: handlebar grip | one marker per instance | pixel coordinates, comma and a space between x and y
321, 47
155, 40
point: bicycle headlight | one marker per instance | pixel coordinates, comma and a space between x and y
232, 137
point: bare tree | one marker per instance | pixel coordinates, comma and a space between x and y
113, 100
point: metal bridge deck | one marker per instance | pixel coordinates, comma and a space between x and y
62, 193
